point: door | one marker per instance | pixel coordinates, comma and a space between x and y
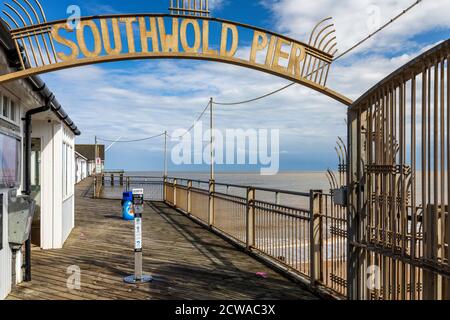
36, 189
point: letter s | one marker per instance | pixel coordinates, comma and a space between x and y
65, 42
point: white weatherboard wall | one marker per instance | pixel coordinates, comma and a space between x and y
58, 203
68, 172
5, 254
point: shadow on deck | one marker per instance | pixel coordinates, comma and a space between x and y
186, 261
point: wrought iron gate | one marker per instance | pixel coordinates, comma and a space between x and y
399, 178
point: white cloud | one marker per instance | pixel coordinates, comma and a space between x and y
163, 95
355, 19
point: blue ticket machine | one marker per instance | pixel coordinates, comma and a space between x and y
127, 206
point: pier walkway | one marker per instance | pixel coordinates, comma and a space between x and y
187, 261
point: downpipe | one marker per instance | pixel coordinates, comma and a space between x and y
27, 173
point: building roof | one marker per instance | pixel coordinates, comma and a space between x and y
79, 155
88, 151
36, 82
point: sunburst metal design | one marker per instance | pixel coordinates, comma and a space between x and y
323, 38
35, 44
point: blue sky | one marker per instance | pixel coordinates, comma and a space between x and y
142, 98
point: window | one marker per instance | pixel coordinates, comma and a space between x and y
9, 109
64, 171
9, 161
5, 104
67, 179
13, 113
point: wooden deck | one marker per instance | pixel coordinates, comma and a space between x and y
187, 261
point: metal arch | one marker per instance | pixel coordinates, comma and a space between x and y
33, 10
11, 18
42, 36
331, 48
343, 144
28, 37
7, 24
17, 13
326, 45
41, 10
320, 33
324, 38
24, 10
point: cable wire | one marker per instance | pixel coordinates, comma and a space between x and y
162, 134
338, 57
136, 140
195, 122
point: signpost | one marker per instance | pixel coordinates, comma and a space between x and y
138, 208
98, 165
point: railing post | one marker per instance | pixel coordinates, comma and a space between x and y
189, 200
103, 180
250, 233
175, 193
430, 285
212, 189
121, 180
315, 236
95, 186
112, 179
165, 189
128, 183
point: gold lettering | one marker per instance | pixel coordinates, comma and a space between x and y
65, 42
234, 40
82, 41
297, 56
279, 54
184, 42
106, 39
206, 49
169, 43
259, 43
130, 34
270, 51
148, 34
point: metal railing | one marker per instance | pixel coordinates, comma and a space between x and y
303, 234
277, 225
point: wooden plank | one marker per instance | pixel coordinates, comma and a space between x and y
186, 260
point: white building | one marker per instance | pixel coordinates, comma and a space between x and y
89, 151
81, 167
52, 164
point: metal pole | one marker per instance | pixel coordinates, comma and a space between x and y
165, 154
138, 207
211, 123
96, 156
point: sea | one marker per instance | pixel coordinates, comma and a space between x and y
298, 181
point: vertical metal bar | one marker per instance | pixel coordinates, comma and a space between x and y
315, 245
212, 138
413, 187
442, 164
436, 161
448, 173
165, 153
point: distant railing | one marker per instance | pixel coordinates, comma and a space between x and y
277, 225
112, 186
